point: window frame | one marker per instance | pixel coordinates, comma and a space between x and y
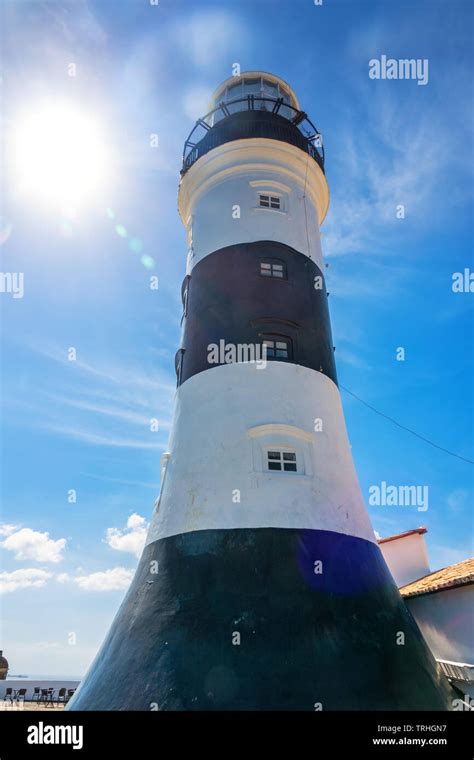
275, 339
273, 261
283, 456
272, 201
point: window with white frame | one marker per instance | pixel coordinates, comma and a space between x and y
279, 460
273, 268
277, 347
269, 201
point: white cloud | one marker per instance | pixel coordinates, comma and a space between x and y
7, 529
115, 579
18, 579
63, 578
32, 544
132, 539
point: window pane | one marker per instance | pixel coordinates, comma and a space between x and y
265, 201
234, 91
274, 454
290, 467
270, 352
277, 273
282, 344
270, 89
274, 465
251, 86
289, 457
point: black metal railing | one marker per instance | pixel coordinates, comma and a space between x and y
252, 117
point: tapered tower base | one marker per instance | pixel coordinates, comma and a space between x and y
334, 635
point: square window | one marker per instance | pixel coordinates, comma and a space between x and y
277, 349
273, 268
269, 201
281, 461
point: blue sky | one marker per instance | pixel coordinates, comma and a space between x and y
84, 424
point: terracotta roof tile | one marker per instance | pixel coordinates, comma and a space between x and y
448, 577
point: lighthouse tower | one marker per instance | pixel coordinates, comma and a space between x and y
261, 585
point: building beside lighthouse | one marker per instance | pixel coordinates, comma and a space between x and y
262, 585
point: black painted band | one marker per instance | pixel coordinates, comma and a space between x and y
229, 300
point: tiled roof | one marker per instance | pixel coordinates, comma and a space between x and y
459, 574
402, 535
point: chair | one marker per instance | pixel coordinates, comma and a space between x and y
44, 695
8, 695
50, 697
36, 694
70, 693
21, 694
61, 696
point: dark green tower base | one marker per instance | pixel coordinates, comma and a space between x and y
330, 639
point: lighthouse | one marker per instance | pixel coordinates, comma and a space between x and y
261, 585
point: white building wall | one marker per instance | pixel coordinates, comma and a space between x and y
446, 619
406, 558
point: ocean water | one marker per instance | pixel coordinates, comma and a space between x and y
42, 677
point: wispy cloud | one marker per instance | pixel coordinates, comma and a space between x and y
21, 579
98, 403
399, 157
458, 499
95, 439
207, 36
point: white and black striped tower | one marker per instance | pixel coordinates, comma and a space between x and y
261, 585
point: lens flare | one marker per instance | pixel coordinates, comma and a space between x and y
60, 155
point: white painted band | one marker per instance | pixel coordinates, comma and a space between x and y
226, 419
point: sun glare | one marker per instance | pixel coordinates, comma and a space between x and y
60, 156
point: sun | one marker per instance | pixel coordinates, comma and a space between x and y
60, 155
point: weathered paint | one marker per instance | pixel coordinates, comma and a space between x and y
306, 639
